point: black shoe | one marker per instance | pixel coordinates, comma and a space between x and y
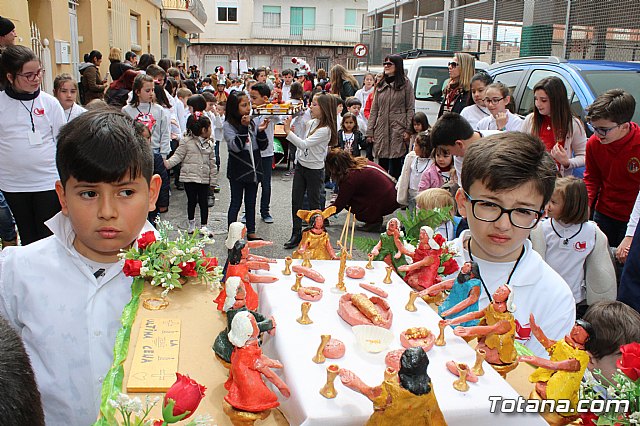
253, 237
179, 186
211, 201
293, 241
370, 227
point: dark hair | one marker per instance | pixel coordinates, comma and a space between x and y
138, 83
576, 200
171, 85
257, 72
312, 221
339, 101
235, 256
399, 78
328, 117
208, 96
449, 128
161, 96
13, 59
173, 72
145, 60
197, 102
85, 57
353, 117
339, 162
507, 160
421, 118
190, 84
262, 89
483, 77
94, 54
197, 125
165, 63
232, 112
207, 80
561, 116
296, 91
614, 105
423, 140
615, 324
154, 71
288, 71
351, 101
129, 55
413, 371
20, 396
102, 145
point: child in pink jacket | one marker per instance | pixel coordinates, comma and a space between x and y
439, 171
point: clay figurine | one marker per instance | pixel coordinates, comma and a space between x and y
246, 389
239, 267
233, 304
315, 239
237, 231
559, 377
464, 295
405, 397
390, 248
496, 329
423, 272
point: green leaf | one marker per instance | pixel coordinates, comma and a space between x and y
365, 244
522, 350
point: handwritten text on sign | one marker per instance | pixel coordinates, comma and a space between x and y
155, 360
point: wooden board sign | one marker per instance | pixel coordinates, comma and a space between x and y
155, 360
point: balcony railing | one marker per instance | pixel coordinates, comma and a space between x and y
305, 32
194, 6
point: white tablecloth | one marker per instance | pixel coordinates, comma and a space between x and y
295, 345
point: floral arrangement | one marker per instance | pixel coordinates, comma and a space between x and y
448, 264
180, 402
624, 386
168, 263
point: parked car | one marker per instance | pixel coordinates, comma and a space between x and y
584, 80
428, 75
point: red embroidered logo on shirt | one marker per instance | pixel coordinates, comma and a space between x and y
523, 332
633, 165
580, 245
38, 112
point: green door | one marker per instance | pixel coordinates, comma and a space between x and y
296, 21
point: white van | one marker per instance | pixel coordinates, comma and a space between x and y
425, 73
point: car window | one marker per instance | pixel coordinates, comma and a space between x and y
526, 104
629, 80
509, 78
427, 77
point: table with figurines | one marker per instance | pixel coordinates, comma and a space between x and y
298, 343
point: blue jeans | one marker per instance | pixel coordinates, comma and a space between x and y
265, 198
7, 224
250, 191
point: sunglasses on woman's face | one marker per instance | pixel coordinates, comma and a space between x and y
388, 64
453, 64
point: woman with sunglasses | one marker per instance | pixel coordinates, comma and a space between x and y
29, 123
552, 121
457, 93
390, 121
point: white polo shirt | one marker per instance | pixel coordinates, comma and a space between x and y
537, 288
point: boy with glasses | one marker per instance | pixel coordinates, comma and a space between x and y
507, 181
612, 162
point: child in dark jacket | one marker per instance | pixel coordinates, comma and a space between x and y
349, 136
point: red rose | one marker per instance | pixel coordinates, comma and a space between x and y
210, 263
589, 419
450, 266
132, 267
186, 393
629, 362
157, 423
146, 239
439, 239
188, 269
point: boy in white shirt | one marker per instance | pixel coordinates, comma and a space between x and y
507, 181
65, 294
287, 80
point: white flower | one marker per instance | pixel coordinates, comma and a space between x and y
153, 282
135, 406
162, 280
114, 404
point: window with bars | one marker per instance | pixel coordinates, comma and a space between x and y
350, 19
227, 14
271, 16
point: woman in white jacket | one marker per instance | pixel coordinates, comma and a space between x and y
552, 121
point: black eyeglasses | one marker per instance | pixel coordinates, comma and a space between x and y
603, 131
493, 101
453, 64
488, 211
388, 63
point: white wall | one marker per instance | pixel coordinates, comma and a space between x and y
227, 32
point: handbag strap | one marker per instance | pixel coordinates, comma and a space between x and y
394, 180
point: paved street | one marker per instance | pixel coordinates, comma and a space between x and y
278, 232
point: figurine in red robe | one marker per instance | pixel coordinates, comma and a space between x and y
423, 272
246, 388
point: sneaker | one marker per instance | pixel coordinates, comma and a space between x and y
290, 172
206, 231
216, 188
243, 219
211, 201
179, 186
267, 219
192, 226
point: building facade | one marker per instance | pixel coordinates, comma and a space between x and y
268, 33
